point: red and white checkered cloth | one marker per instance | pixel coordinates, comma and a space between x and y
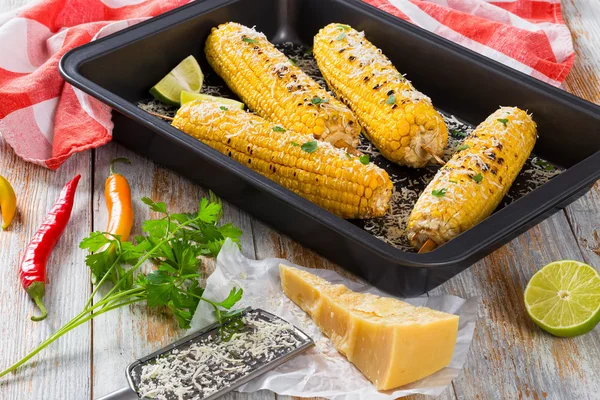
46, 120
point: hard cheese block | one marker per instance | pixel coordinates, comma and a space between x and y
391, 342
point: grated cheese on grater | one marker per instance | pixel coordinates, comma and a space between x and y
210, 364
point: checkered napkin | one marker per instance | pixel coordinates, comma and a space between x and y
46, 120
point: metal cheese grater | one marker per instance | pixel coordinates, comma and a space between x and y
215, 360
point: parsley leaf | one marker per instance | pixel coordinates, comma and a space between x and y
223, 108
156, 227
364, 159
249, 40
278, 129
348, 156
462, 147
391, 99
317, 100
310, 147
293, 60
160, 287
452, 181
234, 296
295, 144
209, 213
183, 316
457, 133
544, 164
439, 192
159, 207
342, 27
504, 121
477, 178
95, 241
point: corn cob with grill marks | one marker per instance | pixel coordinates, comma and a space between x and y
317, 171
274, 88
472, 184
399, 120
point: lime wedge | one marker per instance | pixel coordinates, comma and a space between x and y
186, 97
563, 298
185, 76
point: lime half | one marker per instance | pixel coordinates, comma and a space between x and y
186, 97
185, 76
563, 298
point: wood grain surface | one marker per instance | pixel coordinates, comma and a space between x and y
510, 358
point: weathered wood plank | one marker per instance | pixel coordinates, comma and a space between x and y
124, 335
62, 370
583, 19
510, 357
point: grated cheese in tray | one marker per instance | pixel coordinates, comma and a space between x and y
204, 366
408, 183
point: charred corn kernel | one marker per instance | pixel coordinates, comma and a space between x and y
271, 86
326, 176
388, 107
472, 184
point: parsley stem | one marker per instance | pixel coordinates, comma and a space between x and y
75, 322
99, 284
212, 303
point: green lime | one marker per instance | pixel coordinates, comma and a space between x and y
185, 76
186, 97
563, 298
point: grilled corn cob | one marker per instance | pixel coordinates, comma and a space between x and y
274, 88
471, 185
399, 120
317, 171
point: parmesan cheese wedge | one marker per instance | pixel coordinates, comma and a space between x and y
391, 342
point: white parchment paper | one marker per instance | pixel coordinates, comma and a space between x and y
322, 371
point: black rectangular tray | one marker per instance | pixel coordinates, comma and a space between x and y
120, 68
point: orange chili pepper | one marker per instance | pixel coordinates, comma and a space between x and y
118, 201
8, 202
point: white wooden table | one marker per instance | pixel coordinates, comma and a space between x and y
510, 358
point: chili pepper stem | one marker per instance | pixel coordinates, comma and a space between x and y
118, 160
36, 291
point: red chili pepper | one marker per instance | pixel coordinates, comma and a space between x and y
32, 271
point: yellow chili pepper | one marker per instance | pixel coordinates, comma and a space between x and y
118, 200
8, 202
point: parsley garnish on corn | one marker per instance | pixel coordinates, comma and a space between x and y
439, 192
486, 169
284, 94
410, 131
315, 170
310, 147
477, 178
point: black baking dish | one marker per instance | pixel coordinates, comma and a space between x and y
120, 69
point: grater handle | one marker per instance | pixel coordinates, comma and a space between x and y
122, 394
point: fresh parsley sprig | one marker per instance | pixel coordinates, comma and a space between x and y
173, 244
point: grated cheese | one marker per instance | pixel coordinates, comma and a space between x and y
210, 364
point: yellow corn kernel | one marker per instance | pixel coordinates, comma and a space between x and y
271, 86
475, 179
387, 106
327, 177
